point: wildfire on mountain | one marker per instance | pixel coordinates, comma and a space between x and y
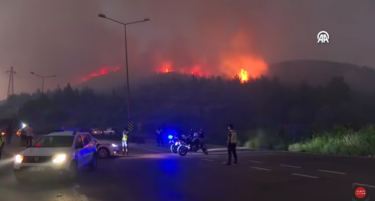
103, 71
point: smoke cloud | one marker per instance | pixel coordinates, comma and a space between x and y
67, 38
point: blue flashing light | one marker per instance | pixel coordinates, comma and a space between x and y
170, 137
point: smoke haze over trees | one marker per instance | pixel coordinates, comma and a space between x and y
182, 101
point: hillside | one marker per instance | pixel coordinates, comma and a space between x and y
314, 72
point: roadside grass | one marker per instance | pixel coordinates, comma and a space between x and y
263, 139
341, 141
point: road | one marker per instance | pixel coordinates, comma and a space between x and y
151, 173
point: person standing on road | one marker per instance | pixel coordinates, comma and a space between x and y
8, 133
2, 142
159, 137
232, 145
29, 135
125, 135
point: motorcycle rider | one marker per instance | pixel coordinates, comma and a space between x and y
198, 139
201, 134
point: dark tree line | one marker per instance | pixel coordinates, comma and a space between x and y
183, 102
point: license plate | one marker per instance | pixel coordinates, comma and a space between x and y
37, 169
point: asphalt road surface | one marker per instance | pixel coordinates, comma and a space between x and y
151, 173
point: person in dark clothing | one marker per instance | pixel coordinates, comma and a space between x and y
159, 137
29, 135
232, 145
23, 137
2, 142
8, 133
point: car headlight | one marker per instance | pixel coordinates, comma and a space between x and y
114, 145
18, 159
59, 158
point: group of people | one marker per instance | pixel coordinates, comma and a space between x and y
27, 135
197, 137
231, 141
8, 136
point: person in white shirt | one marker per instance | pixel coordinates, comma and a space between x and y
29, 135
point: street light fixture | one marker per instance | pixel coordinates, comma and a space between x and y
42, 77
126, 53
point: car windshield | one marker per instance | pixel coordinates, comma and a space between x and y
54, 141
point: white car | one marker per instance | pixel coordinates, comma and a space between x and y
96, 131
110, 131
105, 149
56, 154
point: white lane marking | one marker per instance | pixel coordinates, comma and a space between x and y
334, 172
256, 161
303, 175
83, 198
207, 160
259, 168
364, 185
291, 166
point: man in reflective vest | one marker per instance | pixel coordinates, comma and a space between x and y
1, 144
125, 136
232, 145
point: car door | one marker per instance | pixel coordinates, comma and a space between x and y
92, 144
87, 148
80, 153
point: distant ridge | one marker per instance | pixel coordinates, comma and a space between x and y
315, 72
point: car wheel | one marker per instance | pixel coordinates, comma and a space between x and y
103, 153
93, 163
72, 172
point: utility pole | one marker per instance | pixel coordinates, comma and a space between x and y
11, 81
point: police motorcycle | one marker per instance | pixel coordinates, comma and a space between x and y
174, 143
189, 145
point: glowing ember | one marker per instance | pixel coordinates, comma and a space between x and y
244, 77
103, 71
196, 73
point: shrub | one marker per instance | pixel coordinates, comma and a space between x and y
340, 141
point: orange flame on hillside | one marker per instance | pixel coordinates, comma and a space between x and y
238, 58
244, 77
103, 71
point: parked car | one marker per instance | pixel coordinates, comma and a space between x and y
110, 131
58, 153
95, 131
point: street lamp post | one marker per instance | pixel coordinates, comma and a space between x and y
126, 54
42, 77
